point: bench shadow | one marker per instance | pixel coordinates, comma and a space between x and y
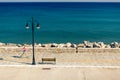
23, 62
46, 63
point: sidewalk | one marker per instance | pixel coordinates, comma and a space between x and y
68, 67
53, 72
82, 59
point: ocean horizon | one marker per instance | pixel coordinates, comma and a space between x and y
60, 22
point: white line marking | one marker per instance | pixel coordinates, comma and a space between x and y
60, 66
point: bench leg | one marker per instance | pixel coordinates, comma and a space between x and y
54, 62
42, 61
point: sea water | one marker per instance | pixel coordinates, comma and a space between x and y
60, 22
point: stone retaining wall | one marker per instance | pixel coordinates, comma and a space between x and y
99, 50
37, 50
59, 50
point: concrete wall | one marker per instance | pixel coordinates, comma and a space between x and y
59, 50
99, 50
37, 50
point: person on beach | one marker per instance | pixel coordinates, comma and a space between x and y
24, 51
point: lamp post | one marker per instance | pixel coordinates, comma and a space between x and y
27, 27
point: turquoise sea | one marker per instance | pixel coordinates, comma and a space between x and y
60, 22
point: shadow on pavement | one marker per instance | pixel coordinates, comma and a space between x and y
1, 58
20, 57
16, 56
26, 63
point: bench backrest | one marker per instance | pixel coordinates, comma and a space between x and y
48, 59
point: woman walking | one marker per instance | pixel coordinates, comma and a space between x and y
24, 51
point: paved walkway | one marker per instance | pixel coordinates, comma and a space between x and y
82, 59
53, 72
87, 66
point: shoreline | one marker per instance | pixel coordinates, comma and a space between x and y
85, 47
85, 44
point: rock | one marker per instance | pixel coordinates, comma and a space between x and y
73, 45
68, 44
19, 45
47, 45
81, 45
2, 44
118, 45
107, 46
54, 45
114, 45
61, 45
43, 45
96, 45
38, 45
102, 45
26, 45
88, 44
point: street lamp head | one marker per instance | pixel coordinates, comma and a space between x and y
27, 26
38, 26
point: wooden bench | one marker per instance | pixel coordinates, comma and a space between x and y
49, 60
